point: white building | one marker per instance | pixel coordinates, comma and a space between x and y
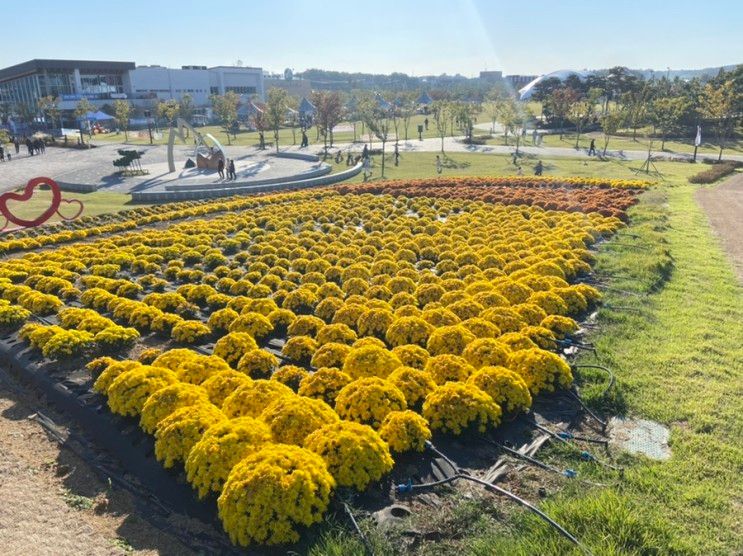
161, 83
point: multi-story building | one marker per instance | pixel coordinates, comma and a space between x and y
70, 80
491, 76
518, 81
102, 82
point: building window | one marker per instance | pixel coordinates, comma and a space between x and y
214, 90
242, 90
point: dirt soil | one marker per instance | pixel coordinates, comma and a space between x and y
52, 502
724, 207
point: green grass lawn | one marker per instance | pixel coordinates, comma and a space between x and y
94, 204
286, 137
419, 165
628, 144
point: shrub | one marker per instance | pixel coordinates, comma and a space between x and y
370, 361
190, 332
166, 400
449, 340
250, 399
257, 363
354, 454
129, 391
405, 431
324, 384
506, 387
486, 351
369, 400
290, 375
413, 383
715, 172
447, 367
289, 486
223, 383
197, 369
541, 370
456, 407
223, 445
177, 434
292, 418
233, 346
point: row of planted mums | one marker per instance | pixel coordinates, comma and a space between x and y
400, 317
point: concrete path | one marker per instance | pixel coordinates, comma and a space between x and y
455, 145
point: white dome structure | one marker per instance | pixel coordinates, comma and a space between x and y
527, 90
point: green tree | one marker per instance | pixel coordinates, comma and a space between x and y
611, 121
466, 117
225, 109
583, 110
508, 116
666, 114
718, 105
559, 103
329, 113
186, 109
379, 124
122, 113
406, 109
636, 102
493, 103
168, 110
49, 106
276, 108
442, 114
81, 110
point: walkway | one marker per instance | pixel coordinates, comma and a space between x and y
724, 207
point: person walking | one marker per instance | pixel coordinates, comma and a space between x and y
592, 148
30, 147
534, 136
367, 168
439, 167
397, 155
220, 168
425, 122
305, 141
17, 145
538, 168
365, 151
233, 175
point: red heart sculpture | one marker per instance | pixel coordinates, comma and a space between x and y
28, 191
71, 202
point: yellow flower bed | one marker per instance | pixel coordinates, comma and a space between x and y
354, 453
290, 488
405, 431
369, 400
419, 314
222, 446
456, 407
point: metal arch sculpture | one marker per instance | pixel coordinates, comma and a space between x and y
210, 160
26, 195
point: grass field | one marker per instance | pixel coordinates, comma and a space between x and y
620, 142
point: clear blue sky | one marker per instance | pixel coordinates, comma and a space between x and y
412, 36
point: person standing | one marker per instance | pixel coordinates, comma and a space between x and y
397, 155
425, 122
592, 148
233, 175
367, 168
17, 145
538, 168
220, 168
534, 136
439, 167
365, 152
305, 141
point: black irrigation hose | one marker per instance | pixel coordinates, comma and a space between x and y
595, 417
564, 436
569, 473
461, 474
612, 378
355, 524
584, 454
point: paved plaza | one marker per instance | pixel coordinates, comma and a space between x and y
95, 167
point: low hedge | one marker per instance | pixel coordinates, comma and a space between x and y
716, 172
